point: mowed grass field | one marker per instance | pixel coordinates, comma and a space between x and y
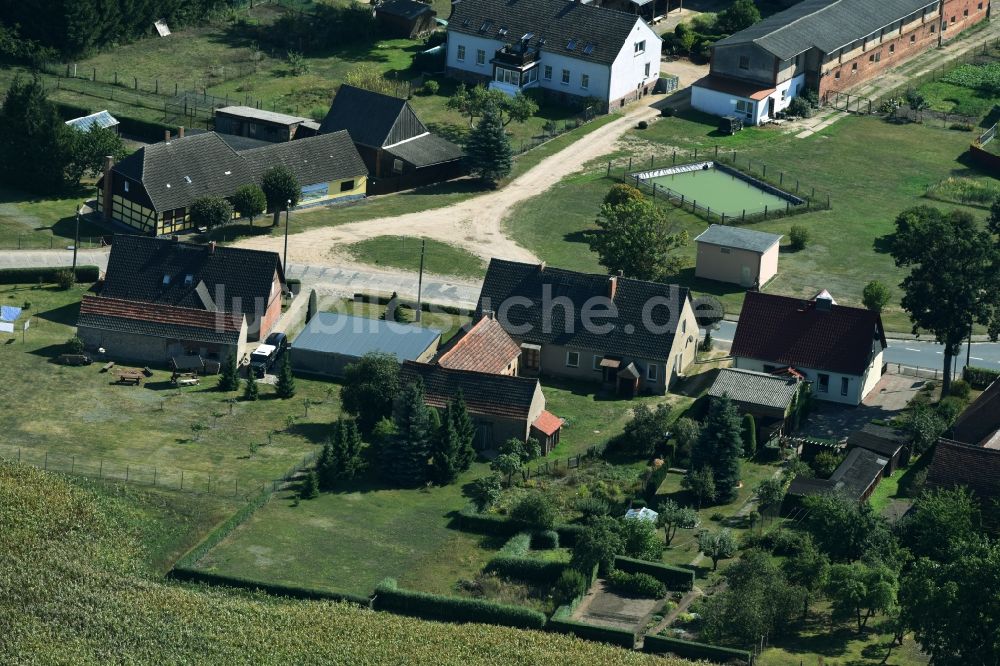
74, 418
404, 252
872, 170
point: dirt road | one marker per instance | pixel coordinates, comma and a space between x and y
473, 224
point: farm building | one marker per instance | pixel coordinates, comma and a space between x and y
502, 406
332, 341
826, 46
737, 255
263, 125
101, 119
162, 298
572, 51
628, 353
408, 19
837, 348
485, 347
399, 151
856, 478
887, 442
152, 189
771, 398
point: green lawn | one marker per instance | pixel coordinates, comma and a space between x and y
350, 540
404, 252
872, 169
75, 419
28, 221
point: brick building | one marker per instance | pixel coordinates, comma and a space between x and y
826, 46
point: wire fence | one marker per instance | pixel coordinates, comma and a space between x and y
41, 242
798, 196
158, 476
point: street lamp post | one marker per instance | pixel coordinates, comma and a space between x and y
284, 260
76, 237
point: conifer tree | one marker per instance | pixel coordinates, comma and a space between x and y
310, 486
749, 435
326, 466
414, 431
465, 430
445, 452
720, 446
250, 390
349, 450
286, 380
490, 154
228, 378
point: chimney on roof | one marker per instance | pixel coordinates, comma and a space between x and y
541, 267
180, 132
166, 135
107, 196
489, 314
612, 286
211, 247
823, 304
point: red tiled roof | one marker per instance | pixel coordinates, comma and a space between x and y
958, 464
794, 332
547, 422
485, 347
733, 87
161, 314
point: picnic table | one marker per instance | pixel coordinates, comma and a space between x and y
132, 377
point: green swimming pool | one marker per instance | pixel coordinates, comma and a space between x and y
721, 192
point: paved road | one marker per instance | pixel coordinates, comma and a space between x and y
912, 353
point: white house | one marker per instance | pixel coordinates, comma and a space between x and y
566, 48
836, 348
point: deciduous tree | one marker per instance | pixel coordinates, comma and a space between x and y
370, 386
210, 212
717, 546
875, 296
738, 16
672, 517
249, 201
597, 546
636, 238
280, 186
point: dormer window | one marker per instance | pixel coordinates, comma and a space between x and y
188, 280
126, 186
187, 179
588, 49
502, 32
166, 279
571, 45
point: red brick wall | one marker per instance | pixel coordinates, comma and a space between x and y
892, 52
273, 312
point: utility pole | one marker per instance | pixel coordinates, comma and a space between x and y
76, 237
420, 279
284, 260
968, 349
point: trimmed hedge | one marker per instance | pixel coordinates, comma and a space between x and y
692, 650
636, 584
591, 632
46, 274
222, 531
380, 299
454, 609
656, 479
980, 378
470, 520
526, 569
675, 578
568, 533
545, 540
292, 591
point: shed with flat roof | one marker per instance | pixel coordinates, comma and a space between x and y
332, 341
737, 255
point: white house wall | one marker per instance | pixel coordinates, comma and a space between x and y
472, 44
599, 76
628, 69
724, 104
715, 102
855, 386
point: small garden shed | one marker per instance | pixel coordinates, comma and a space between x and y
737, 255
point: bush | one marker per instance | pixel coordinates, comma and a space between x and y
570, 585
675, 578
949, 408
431, 87
535, 509
960, 389
65, 279
74, 345
980, 378
538, 572
799, 236
825, 463
799, 107
636, 584
642, 124
545, 540
592, 506
517, 546
47, 275
389, 597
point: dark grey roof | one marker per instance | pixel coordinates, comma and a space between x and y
315, 159
629, 334
738, 237
336, 333
858, 472
596, 34
241, 143
882, 440
157, 329
755, 388
408, 9
484, 393
238, 280
372, 119
175, 173
823, 24
427, 150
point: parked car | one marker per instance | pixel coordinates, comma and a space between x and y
277, 339
262, 358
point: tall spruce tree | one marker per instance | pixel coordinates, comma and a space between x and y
228, 377
286, 380
720, 446
445, 452
325, 465
411, 448
490, 154
465, 429
350, 447
250, 390
35, 144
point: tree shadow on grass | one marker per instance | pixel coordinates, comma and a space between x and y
687, 278
317, 433
883, 244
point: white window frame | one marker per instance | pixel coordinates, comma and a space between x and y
565, 77
126, 186
585, 81
547, 73
480, 58
652, 372
647, 70
460, 53
640, 47
576, 359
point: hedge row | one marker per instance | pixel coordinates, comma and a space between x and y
591, 632
656, 479
675, 578
223, 530
470, 520
35, 275
292, 591
142, 129
454, 609
526, 569
692, 650
517, 546
980, 378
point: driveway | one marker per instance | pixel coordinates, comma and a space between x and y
889, 397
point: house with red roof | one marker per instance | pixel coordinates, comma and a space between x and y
485, 347
835, 347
